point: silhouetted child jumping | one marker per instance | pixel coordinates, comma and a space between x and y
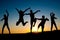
42, 23
52, 15
32, 18
5, 22
21, 14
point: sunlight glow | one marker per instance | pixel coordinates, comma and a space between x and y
35, 29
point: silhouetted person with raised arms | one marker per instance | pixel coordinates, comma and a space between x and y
43, 21
52, 15
5, 22
21, 14
32, 18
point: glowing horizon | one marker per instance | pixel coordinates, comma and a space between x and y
26, 29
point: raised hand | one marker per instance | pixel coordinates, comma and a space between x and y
27, 9
36, 11
17, 9
7, 12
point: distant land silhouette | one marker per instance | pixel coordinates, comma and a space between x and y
48, 35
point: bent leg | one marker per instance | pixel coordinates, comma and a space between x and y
34, 21
24, 23
8, 28
17, 23
55, 26
39, 26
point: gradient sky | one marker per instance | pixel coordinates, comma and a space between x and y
46, 6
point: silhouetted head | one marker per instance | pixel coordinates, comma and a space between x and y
4, 15
30, 11
53, 14
43, 16
21, 12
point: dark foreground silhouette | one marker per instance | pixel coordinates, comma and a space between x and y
49, 35
52, 15
42, 23
21, 19
5, 22
32, 18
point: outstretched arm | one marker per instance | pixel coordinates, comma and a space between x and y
2, 19
55, 17
26, 9
39, 18
36, 11
47, 19
17, 10
27, 14
7, 13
